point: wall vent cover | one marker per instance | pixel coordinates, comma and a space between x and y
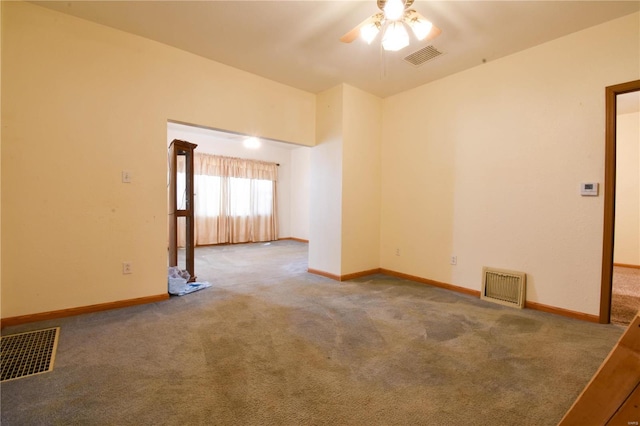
503, 287
28, 354
423, 55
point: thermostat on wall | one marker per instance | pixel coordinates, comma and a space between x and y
589, 189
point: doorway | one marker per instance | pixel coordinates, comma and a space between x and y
611, 100
293, 182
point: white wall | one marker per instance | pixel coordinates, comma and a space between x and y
486, 165
325, 232
627, 224
269, 151
362, 118
80, 103
0, 166
300, 192
345, 182
1, 18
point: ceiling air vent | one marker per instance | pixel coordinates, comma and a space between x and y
423, 55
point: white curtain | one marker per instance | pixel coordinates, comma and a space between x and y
235, 200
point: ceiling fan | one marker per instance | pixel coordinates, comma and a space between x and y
391, 21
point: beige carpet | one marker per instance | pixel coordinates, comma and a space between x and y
270, 344
625, 297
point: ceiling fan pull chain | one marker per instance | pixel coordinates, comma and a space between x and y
383, 64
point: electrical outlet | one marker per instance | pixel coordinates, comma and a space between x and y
126, 268
397, 252
126, 176
454, 260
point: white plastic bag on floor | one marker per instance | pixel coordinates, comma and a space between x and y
178, 284
175, 272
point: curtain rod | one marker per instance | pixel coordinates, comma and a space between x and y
240, 158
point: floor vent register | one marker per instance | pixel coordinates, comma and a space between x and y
28, 354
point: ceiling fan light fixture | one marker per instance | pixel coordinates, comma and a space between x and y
393, 20
420, 27
394, 9
370, 31
395, 37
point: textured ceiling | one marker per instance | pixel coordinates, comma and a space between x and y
296, 42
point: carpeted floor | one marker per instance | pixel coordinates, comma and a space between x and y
269, 344
625, 295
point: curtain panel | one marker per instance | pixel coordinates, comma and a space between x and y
235, 200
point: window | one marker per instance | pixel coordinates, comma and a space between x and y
235, 200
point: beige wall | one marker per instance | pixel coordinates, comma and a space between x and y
418, 182
345, 182
300, 192
361, 161
486, 165
1, 32
80, 103
627, 226
325, 218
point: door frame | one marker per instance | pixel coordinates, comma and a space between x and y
611, 94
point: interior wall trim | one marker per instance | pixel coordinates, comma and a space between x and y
62, 313
476, 293
561, 311
360, 274
345, 277
300, 240
611, 92
626, 265
529, 305
434, 283
324, 274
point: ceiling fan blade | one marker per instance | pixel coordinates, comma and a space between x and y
435, 32
354, 33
